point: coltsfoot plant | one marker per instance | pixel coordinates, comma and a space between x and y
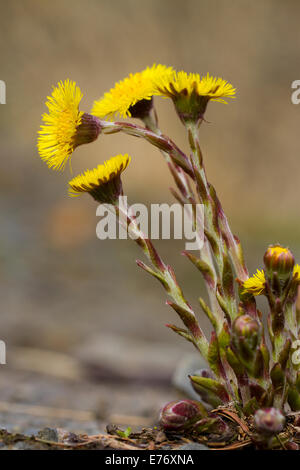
252, 374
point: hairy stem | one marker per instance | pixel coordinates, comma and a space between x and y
166, 276
208, 193
188, 197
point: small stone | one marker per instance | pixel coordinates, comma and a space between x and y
65, 436
48, 434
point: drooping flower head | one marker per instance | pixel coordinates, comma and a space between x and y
102, 183
65, 127
191, 92
132, 97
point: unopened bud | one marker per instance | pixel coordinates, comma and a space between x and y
247, 329
279, 260
269, 421
246, 326
179, 415
246, 332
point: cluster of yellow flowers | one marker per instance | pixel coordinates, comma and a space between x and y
237, 350
256, 284
59, 135
65, 126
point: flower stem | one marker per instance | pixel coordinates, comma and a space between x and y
214, 208
162, 142
166, 276
188, 197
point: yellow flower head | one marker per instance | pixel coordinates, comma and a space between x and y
131, 97
102, 183
191, 92
182, 83
65, 127
256, 284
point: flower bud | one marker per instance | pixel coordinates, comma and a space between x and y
269, 421
179, 415
247, 330
246, 326
246, 333
279, 260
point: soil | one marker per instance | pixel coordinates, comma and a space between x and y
242, 435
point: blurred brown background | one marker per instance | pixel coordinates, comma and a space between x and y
62, 290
